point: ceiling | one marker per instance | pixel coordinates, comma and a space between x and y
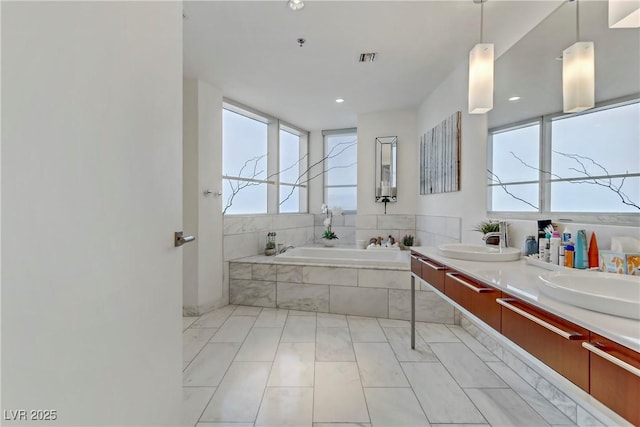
248, 49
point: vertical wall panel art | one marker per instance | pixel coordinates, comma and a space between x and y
440, 157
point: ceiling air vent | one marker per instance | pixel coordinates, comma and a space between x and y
367, 57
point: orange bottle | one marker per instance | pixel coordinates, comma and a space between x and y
593, 252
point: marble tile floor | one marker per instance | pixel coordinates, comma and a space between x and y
249, 366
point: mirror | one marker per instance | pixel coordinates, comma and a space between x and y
386, 177
532, 68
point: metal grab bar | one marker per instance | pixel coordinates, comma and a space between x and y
469, 285
621, 363
180, 239
564, 334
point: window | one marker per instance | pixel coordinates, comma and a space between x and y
251, 177
514, 187
340, 166
604, 146
244, 163
292, 176
579, 163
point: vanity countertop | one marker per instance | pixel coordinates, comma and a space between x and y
520, 279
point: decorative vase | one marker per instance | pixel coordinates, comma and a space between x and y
329, 243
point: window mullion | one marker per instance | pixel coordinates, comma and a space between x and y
273, 160
545, 164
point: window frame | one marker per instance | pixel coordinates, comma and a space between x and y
325, 186
303, 169
544, 182
272, 180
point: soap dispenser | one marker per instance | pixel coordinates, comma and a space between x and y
580, 257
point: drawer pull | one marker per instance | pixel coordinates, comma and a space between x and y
564, 334
433, 266
624, 365
469, 285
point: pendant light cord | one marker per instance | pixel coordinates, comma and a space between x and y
482, 22
577, 20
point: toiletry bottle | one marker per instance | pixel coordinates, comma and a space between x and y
561, 255
568, 255
593, 252
547, 250
566, 236
580, 257
530, 246
542, 246
554, 248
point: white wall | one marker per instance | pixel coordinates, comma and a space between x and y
91, 195
202, 145
400, 123
470, 202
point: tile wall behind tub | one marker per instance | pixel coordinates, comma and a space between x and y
245, 235
368, 226
436, 230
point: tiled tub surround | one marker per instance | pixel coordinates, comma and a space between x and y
520, 280
353, 290
244, 235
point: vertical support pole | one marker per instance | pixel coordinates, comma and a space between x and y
413, 312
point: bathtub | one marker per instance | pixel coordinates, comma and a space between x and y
343, 256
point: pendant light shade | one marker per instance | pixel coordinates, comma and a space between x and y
624, 13
481, 72
578, 77
481, 78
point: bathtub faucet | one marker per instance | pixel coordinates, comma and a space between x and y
283, 250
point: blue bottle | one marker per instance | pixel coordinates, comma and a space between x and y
581, 259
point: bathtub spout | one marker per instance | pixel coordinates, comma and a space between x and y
283, 250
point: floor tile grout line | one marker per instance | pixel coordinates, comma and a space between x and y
355, 356
527, 400
486, 363
228, 367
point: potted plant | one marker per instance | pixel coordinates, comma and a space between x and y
407, 240
270, 248
489, 226
329, 237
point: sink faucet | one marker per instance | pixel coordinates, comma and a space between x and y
502, 234
285, 248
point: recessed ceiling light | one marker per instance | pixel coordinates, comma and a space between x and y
514, 98
296, 4
339, 100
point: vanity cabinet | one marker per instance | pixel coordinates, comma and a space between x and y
615, 376
551, 339
478, 298
428, 270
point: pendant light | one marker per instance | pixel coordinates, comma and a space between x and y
578, 73
624, 13
481, 72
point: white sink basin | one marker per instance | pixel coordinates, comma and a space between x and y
479, 252
610, 293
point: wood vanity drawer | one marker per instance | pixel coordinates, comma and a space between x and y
428, 270
615, 376
553, 340
478, 298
